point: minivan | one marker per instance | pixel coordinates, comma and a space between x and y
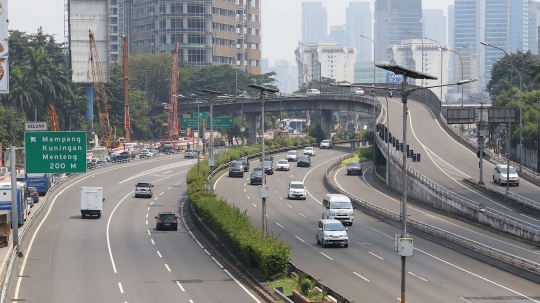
313, 92
339, 207
500, 173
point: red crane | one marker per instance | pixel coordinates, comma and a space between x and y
170, 129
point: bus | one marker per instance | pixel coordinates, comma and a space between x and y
42, 182
22, 199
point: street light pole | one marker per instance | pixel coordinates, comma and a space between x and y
520, 103
211, 118
263, 190
440, 46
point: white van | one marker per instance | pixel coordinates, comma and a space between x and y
339, 207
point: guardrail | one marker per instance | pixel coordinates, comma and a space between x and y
526, 201
24, 229
432, 230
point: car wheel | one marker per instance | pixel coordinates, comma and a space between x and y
176, 228
317, 238
345, 245
99, 216
348, 173
323, 244
360, 172
500, 181
517, 184
83, 216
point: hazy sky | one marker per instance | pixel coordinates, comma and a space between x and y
281, 20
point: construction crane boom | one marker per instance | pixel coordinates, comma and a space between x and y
54, 118
127, 120
170, 130
100, 96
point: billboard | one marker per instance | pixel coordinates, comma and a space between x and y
87, 15
4, 53
391, 77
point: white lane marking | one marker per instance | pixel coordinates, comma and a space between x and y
280, 225
242, 286
169, 187
146, 222
148, 231
192, 235
167, 267
162, 193
152, 171
178, 183
248, 197
441, 219
155, 199
207, 252
148, 208
360, 276
326, 256
417, 276
289, 206
108, 225
304, 180
301, 214
281, 198
376, 255
152, 203
190, 301
275, 191
530, 217
147, 215
219, 264
120, 286
245, 184
300, 239
199, 243
159, 254
245, 190
167, 172
180, 285
153, 241
465, 300
254, 205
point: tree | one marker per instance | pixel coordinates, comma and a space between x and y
154, 72
11, 126
527, 63
314, 130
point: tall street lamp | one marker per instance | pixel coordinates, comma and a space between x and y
263, 190
373, 56
421, 40
440, 46
520, 103
211, 118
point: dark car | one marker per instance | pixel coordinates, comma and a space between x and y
304, 160
268, 167
267, 157
166, 220
245, 163
354, 167
236, 169
34, 194
219, 142
256, 177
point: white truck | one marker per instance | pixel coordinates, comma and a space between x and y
101, 153
91, 201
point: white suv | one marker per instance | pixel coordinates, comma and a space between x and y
332, 232
500, 173
309, 151
292, 155
296, 190
326, 144
313, 92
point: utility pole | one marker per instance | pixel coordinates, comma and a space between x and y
481, 143
211, 118
14, 206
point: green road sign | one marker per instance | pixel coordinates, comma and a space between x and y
223, 123
202, 115
191, 122
55, 152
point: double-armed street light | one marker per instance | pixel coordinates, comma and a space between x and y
213, 95
263, 190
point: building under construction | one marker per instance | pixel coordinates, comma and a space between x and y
209, 32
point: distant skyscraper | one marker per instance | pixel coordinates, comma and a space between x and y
534, 24
519, 25
338, 34
314, 22
392, 19
434, 25
469, 21
451, 42
359, 23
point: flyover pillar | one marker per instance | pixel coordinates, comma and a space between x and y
327, 123
251, 119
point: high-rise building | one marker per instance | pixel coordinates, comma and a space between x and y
363, 72
359, 23
434, 25
325, 59
519, 25
209, 32
393, 18
338, 34
314, 22
286, 76
471, 70
451, 43
534, 24
469, 21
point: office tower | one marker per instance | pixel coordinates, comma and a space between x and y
338, 34
209, 32
392, 19
314, 22
534, 24
286, 76
471, 70
469, 21
434, 25
325, 59
358, 18
451, 43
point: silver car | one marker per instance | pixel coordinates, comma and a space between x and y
332, 232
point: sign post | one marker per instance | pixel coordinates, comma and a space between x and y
55, 152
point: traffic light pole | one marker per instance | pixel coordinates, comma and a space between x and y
481, 145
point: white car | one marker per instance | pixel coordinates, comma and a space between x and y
325, 144
332, 232
500, 173
357, 91
144, 153
282, 165
309, 151
296, 190
292, 155
313, 92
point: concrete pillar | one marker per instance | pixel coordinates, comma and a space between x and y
327, 123
251, 119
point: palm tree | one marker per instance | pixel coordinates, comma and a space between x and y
23, 92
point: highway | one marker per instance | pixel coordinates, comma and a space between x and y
369, 270
447, 162
121, 257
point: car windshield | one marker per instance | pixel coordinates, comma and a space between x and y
167, 217
283, 162
292, 152
334, 227
303, 158
236, 164
308, 148
297, 186
325, 141
267, 163
354, 164
257, 172
341, 205
188, 151
512, 170
143, 184
244, 160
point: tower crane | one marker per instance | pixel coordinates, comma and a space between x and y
170, 129
127, 120
54, 118
100, 96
